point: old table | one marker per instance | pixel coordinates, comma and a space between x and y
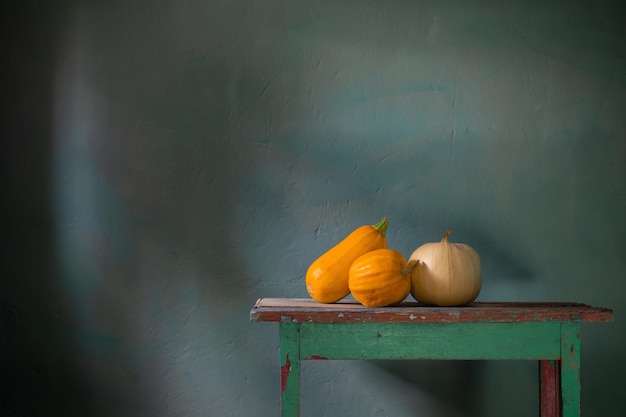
546, 332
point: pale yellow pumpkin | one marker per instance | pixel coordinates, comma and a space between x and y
446, 274
380, 278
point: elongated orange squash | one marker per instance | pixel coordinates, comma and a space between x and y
327, 277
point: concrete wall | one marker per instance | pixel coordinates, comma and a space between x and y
164, 164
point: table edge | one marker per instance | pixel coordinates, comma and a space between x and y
412, 312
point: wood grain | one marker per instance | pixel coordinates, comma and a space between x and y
304, 310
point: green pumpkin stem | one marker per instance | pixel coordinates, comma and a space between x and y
382, 225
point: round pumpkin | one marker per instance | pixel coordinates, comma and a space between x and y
446, 274
380, 278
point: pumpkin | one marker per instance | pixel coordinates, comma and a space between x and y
327, 276
446, 274
380, 278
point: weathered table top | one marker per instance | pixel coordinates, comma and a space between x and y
303, 310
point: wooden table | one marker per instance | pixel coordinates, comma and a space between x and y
546, 332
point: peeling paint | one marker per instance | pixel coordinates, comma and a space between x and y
317, 357
284, 374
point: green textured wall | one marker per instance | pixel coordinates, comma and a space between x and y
164, 164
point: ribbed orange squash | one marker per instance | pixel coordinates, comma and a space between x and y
327, 277
380, 278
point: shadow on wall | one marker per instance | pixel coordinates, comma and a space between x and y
145, 262
39, 371
466, 388
453, 383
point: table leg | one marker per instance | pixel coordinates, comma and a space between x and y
570, 369
290, 369
550, 388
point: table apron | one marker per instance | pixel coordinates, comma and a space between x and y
527, 340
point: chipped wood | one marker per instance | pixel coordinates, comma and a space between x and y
345, 311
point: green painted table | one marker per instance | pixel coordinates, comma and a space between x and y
546, 332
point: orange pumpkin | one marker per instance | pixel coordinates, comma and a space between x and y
380, 278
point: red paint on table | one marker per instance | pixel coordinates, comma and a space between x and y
284, 374
550, 393
316, 357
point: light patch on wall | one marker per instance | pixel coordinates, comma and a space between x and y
74, 173
90, 219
